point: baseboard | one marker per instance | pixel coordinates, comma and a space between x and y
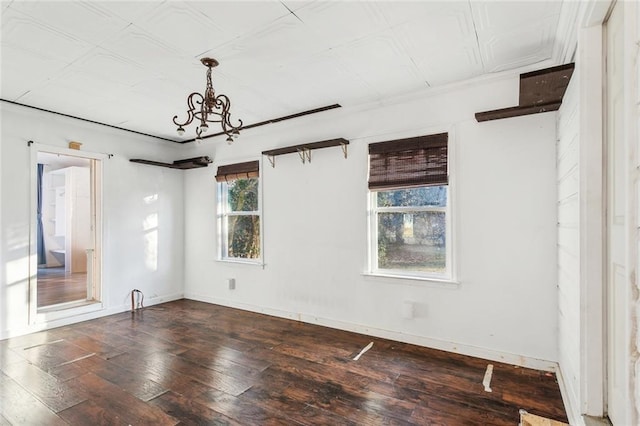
484, 353
571, 405
75, 315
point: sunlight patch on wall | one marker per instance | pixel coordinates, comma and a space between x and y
17, 237
17, 270
16, 294
149, 199
150, 222
150, 226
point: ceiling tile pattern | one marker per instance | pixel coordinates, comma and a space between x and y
132, 64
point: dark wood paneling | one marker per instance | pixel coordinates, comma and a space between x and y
195, 363
540, 91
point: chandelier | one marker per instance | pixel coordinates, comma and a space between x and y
209, 109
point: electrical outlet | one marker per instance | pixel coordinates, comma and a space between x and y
231, 283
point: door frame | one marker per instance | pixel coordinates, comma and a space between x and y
590, 21
589, 24
630, 21
96, 190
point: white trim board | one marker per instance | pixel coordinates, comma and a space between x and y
474, 351
569, 399
80, 314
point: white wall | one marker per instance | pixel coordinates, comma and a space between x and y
315, 227
133, 257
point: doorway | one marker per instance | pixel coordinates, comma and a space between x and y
66, 240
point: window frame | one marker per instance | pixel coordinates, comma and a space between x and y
374, 210
450, 276
223, 214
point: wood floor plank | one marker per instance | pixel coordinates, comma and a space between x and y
244, 411
90, 413
336, 396
57, 286
443, 407
20, 407
117, 402
474, 398
53, 393
323, 399
76, 368
190, 412
161, 362
191, 362
92, 345
313, 370
225, 353
137, 385
178, 383
8, 356
34, 339
54, 354
224, 365
290, 407
462, 417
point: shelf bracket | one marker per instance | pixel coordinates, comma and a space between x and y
304, 150
344, 149
305, 154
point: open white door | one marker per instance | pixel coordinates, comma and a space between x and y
66, 237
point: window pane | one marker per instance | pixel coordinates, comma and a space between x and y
243, 236
432, 196
243, 195
412, 241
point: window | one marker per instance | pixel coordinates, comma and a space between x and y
409, 197
239, 211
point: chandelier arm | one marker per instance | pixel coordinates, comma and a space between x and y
191, 111
224, 99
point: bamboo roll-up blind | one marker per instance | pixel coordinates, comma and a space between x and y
402, 163
230, 172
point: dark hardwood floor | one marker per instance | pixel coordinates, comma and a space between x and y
56, 286
193, 363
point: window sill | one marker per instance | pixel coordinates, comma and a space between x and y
242, 262
415, 280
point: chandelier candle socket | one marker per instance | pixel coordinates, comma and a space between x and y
209, 109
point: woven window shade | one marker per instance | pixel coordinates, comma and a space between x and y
419, 161
230, 172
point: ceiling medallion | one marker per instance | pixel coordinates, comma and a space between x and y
209, 108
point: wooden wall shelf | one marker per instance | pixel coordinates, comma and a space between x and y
540, 91
189, 163
304, 150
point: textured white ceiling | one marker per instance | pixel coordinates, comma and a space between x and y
132, 64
